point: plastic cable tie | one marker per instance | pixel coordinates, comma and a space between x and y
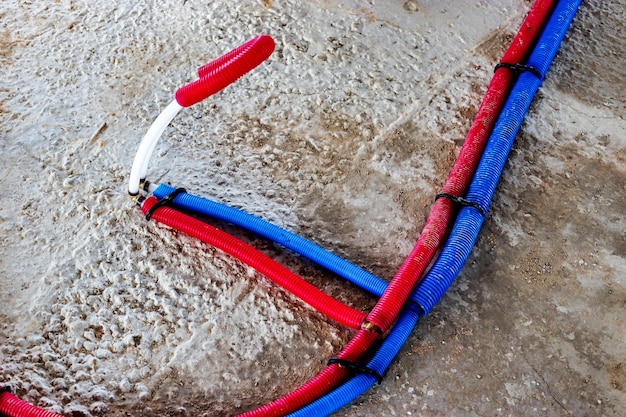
356, 368
165, 201
461, 202
519, 68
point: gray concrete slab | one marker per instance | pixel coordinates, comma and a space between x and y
345, 135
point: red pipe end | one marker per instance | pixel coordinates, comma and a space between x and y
227, 69
11, 406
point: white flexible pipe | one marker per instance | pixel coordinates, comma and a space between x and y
214, 77
147, 145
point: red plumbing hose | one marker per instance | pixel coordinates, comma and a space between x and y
391, 302
387, 308
319, 300
225, 70
226, 59
11, 406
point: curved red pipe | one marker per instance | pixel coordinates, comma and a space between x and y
387, 308
11, 406
225, 70
319, 300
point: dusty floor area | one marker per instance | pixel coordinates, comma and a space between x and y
344, 136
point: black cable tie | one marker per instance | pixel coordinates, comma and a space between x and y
461, 202
517, 69
6, 388
165, 201
356, 368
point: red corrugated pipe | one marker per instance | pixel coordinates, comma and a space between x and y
319, 300
222, 72
389, 305
11, 406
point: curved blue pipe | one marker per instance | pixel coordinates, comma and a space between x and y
468, 222
298, 244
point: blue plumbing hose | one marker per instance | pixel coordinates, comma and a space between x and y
490, 167
469, 220
298, 244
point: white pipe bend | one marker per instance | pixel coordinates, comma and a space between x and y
148, 144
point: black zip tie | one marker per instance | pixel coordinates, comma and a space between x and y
356, 368
6, 388
461, 202
517, 69
165, 201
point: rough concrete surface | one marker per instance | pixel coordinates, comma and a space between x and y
344, 136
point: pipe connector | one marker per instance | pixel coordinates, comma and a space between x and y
371, 327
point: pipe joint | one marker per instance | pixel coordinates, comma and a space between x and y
371, 327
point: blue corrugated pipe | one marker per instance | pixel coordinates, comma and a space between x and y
298, 244
469, 220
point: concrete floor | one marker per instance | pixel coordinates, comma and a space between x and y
345, 137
